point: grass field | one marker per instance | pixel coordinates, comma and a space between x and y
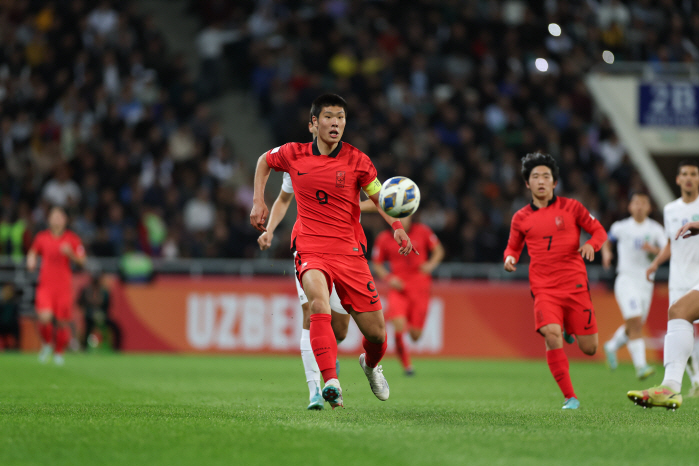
175, 410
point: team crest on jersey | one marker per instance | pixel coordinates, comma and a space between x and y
560, 224
340, 180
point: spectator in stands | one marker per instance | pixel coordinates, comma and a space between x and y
62, 190
199, 212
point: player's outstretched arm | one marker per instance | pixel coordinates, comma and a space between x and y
607, 255
259, 213
662, 256
31, 260
687, 230
400, 235
515, 244
597, 232
367, 206
279, 209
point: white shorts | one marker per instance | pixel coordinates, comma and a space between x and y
676, 293
633, 296
335, 303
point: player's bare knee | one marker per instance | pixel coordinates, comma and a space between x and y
45, 317
318, 306
340, 332
589, 349
415, 334
376, 337
634, 328
680, 311
554, 341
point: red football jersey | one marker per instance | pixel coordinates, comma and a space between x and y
407, 268
55, 266
327, 195
552, 235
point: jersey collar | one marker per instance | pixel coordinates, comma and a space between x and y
332, 154
551, 201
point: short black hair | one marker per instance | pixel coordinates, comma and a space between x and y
535, 159
52, 207
639, 193
687, 163
327, 100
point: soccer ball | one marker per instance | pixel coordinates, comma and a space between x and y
399, 197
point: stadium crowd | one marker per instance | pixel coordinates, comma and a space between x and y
448, 93
98, 116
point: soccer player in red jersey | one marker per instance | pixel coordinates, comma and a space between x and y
54, 293
340, 317
550, 226
327, 175
410, 279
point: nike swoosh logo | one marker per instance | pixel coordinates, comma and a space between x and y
374, 301
299, 173
588, 327
527, 230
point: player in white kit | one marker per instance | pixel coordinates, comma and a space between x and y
638, 239
678, 342
340, 317
683, 253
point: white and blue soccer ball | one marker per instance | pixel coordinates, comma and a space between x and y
399, 197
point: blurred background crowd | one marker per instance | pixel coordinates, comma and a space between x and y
96, 114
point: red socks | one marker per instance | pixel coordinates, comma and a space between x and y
62, 339
324, 345
46, 332
402, 351
374, 351
558, 365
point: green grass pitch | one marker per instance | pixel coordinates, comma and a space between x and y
177, 410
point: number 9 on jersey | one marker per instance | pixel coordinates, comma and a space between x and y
399, 197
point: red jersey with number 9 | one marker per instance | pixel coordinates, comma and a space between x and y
552, 235
327, 195
55, 269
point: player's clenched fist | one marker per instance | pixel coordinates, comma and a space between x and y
258, 216
510, 264
265, 240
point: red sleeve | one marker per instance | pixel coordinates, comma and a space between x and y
279, 158
36, 245
378, 254
366, 172
516, 241
591, 225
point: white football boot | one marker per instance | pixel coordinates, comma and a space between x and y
45, 353
58, 360
377, 381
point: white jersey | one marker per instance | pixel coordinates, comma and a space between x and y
287, 187
684, 262
630, 236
